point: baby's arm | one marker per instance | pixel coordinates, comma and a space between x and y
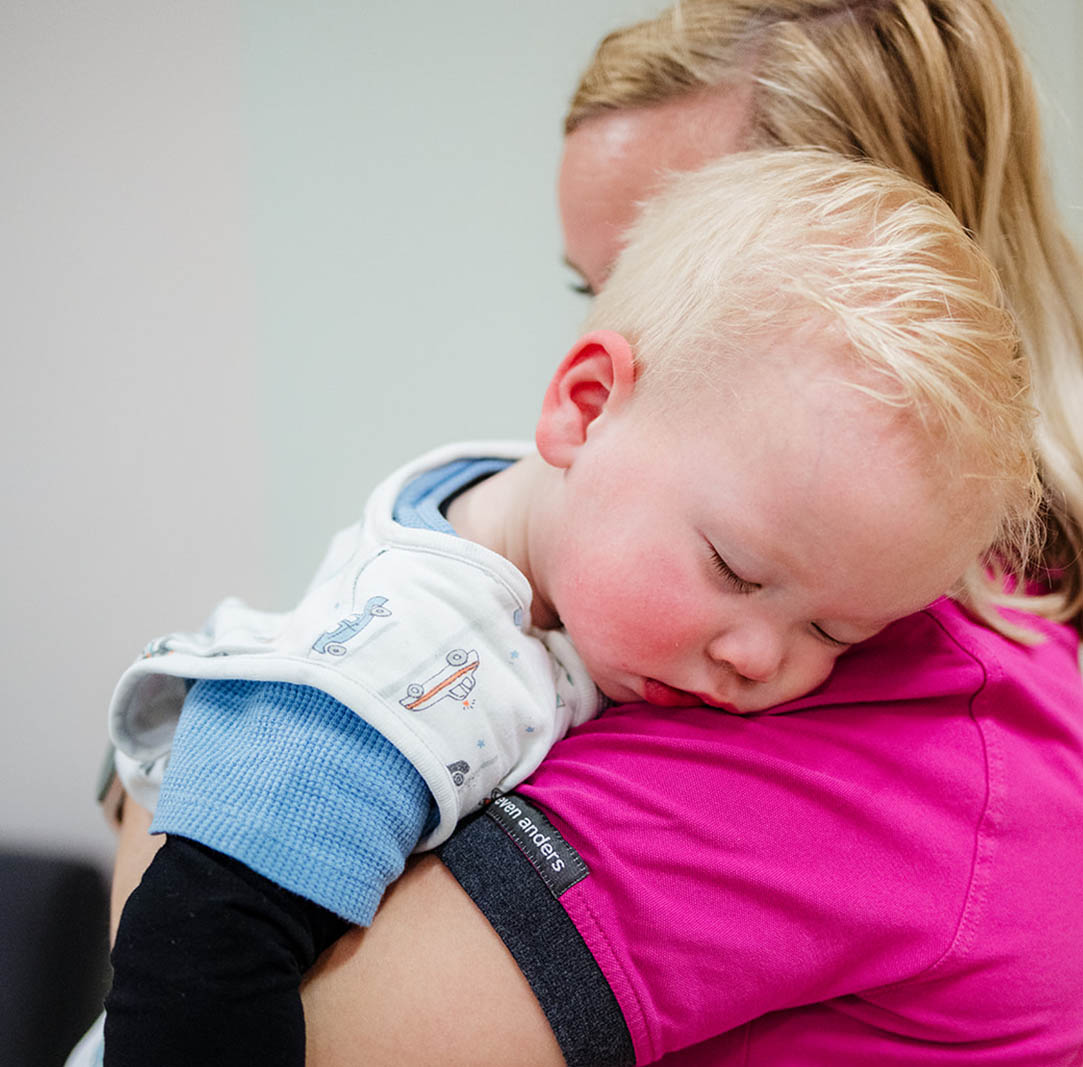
362, 1001
427, 655
207, 965
209, 954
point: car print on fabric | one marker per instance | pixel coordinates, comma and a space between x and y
333, 642
459, 770
455, 679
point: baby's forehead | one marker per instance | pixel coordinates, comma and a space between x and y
803, 352
806, 385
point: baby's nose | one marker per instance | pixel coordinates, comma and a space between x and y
756, 655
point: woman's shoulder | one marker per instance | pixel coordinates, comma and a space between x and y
913, 709
907, 820
944, 656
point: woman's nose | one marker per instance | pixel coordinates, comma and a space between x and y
755, 653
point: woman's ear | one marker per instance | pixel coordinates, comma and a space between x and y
597, 375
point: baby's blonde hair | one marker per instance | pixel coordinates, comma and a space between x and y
760, 246
938, 90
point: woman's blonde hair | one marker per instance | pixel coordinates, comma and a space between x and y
872, 271
938, 90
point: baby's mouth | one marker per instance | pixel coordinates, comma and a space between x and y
665, 696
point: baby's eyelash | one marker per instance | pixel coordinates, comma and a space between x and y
581, 288
723, 568
834, 642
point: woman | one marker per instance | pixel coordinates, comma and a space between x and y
887, 875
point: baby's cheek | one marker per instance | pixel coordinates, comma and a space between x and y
813, 673
637, 609
659, 620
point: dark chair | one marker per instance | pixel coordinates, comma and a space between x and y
53, 955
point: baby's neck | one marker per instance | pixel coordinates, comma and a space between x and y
497, 512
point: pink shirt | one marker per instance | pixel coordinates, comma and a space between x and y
892, 876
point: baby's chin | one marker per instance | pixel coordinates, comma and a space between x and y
769, 700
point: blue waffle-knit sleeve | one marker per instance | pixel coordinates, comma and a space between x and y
296, 786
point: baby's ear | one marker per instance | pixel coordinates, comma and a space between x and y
597, 375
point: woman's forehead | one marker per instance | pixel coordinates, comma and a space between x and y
614, 162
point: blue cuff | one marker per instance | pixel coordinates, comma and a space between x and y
295, 785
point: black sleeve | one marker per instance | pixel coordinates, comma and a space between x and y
208, 963
524, 909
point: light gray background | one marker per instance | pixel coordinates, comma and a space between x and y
253, 255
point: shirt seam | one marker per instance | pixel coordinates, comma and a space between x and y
984, 846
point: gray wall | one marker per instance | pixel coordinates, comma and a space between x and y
1051, 33
253, 255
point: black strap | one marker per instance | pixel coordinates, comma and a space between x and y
522, 909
